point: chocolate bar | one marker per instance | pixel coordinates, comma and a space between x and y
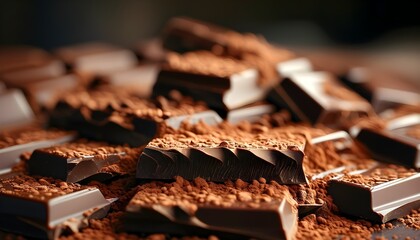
96, 58
19, 112
318, 98
74, 162
399, 143
119, 117
45, 208
207, 208
184, 34
223, 83
223, 154
383, 193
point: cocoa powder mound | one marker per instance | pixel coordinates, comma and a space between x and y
27, 135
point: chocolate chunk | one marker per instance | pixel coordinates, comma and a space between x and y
74, 162
16, 109
225, 155
184, 34
223, 83
209, 208
399, 144
44, 208
318, 98
383, 193
119, 117
16, 142
96, 58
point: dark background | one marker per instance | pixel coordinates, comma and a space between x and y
50, 24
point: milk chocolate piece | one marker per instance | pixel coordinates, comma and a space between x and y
75, 162
318, 98
97, 58
118, 117
223, 83
40, 208
220, 156
17, 142
43, 70
383, 193
221, 210
16, 109
399, 144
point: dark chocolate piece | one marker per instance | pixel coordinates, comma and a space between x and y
75, 162
383, 193
47, 208
223, 83
97, 58
184, 34
223, 210
13, 144
118, 117
220, 156
16, 109
318, 98
399, 144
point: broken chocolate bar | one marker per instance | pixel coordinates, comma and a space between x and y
221, 155
78, 161
207, 208
318, 98
399, 144
44, 208
223, 83
380, 194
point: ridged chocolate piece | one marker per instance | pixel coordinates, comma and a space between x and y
118, 117
44, 208
223, 83
222, 210
75, 162
225, 155
383, 193
318, 98
399, 145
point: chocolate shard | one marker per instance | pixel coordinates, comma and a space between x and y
18, 110
220, 213
40, 208
218, 156
399, 144
119, 117
223, 83
383, 193
75, 162
318, 98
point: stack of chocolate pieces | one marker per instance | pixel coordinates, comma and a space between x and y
215, 134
